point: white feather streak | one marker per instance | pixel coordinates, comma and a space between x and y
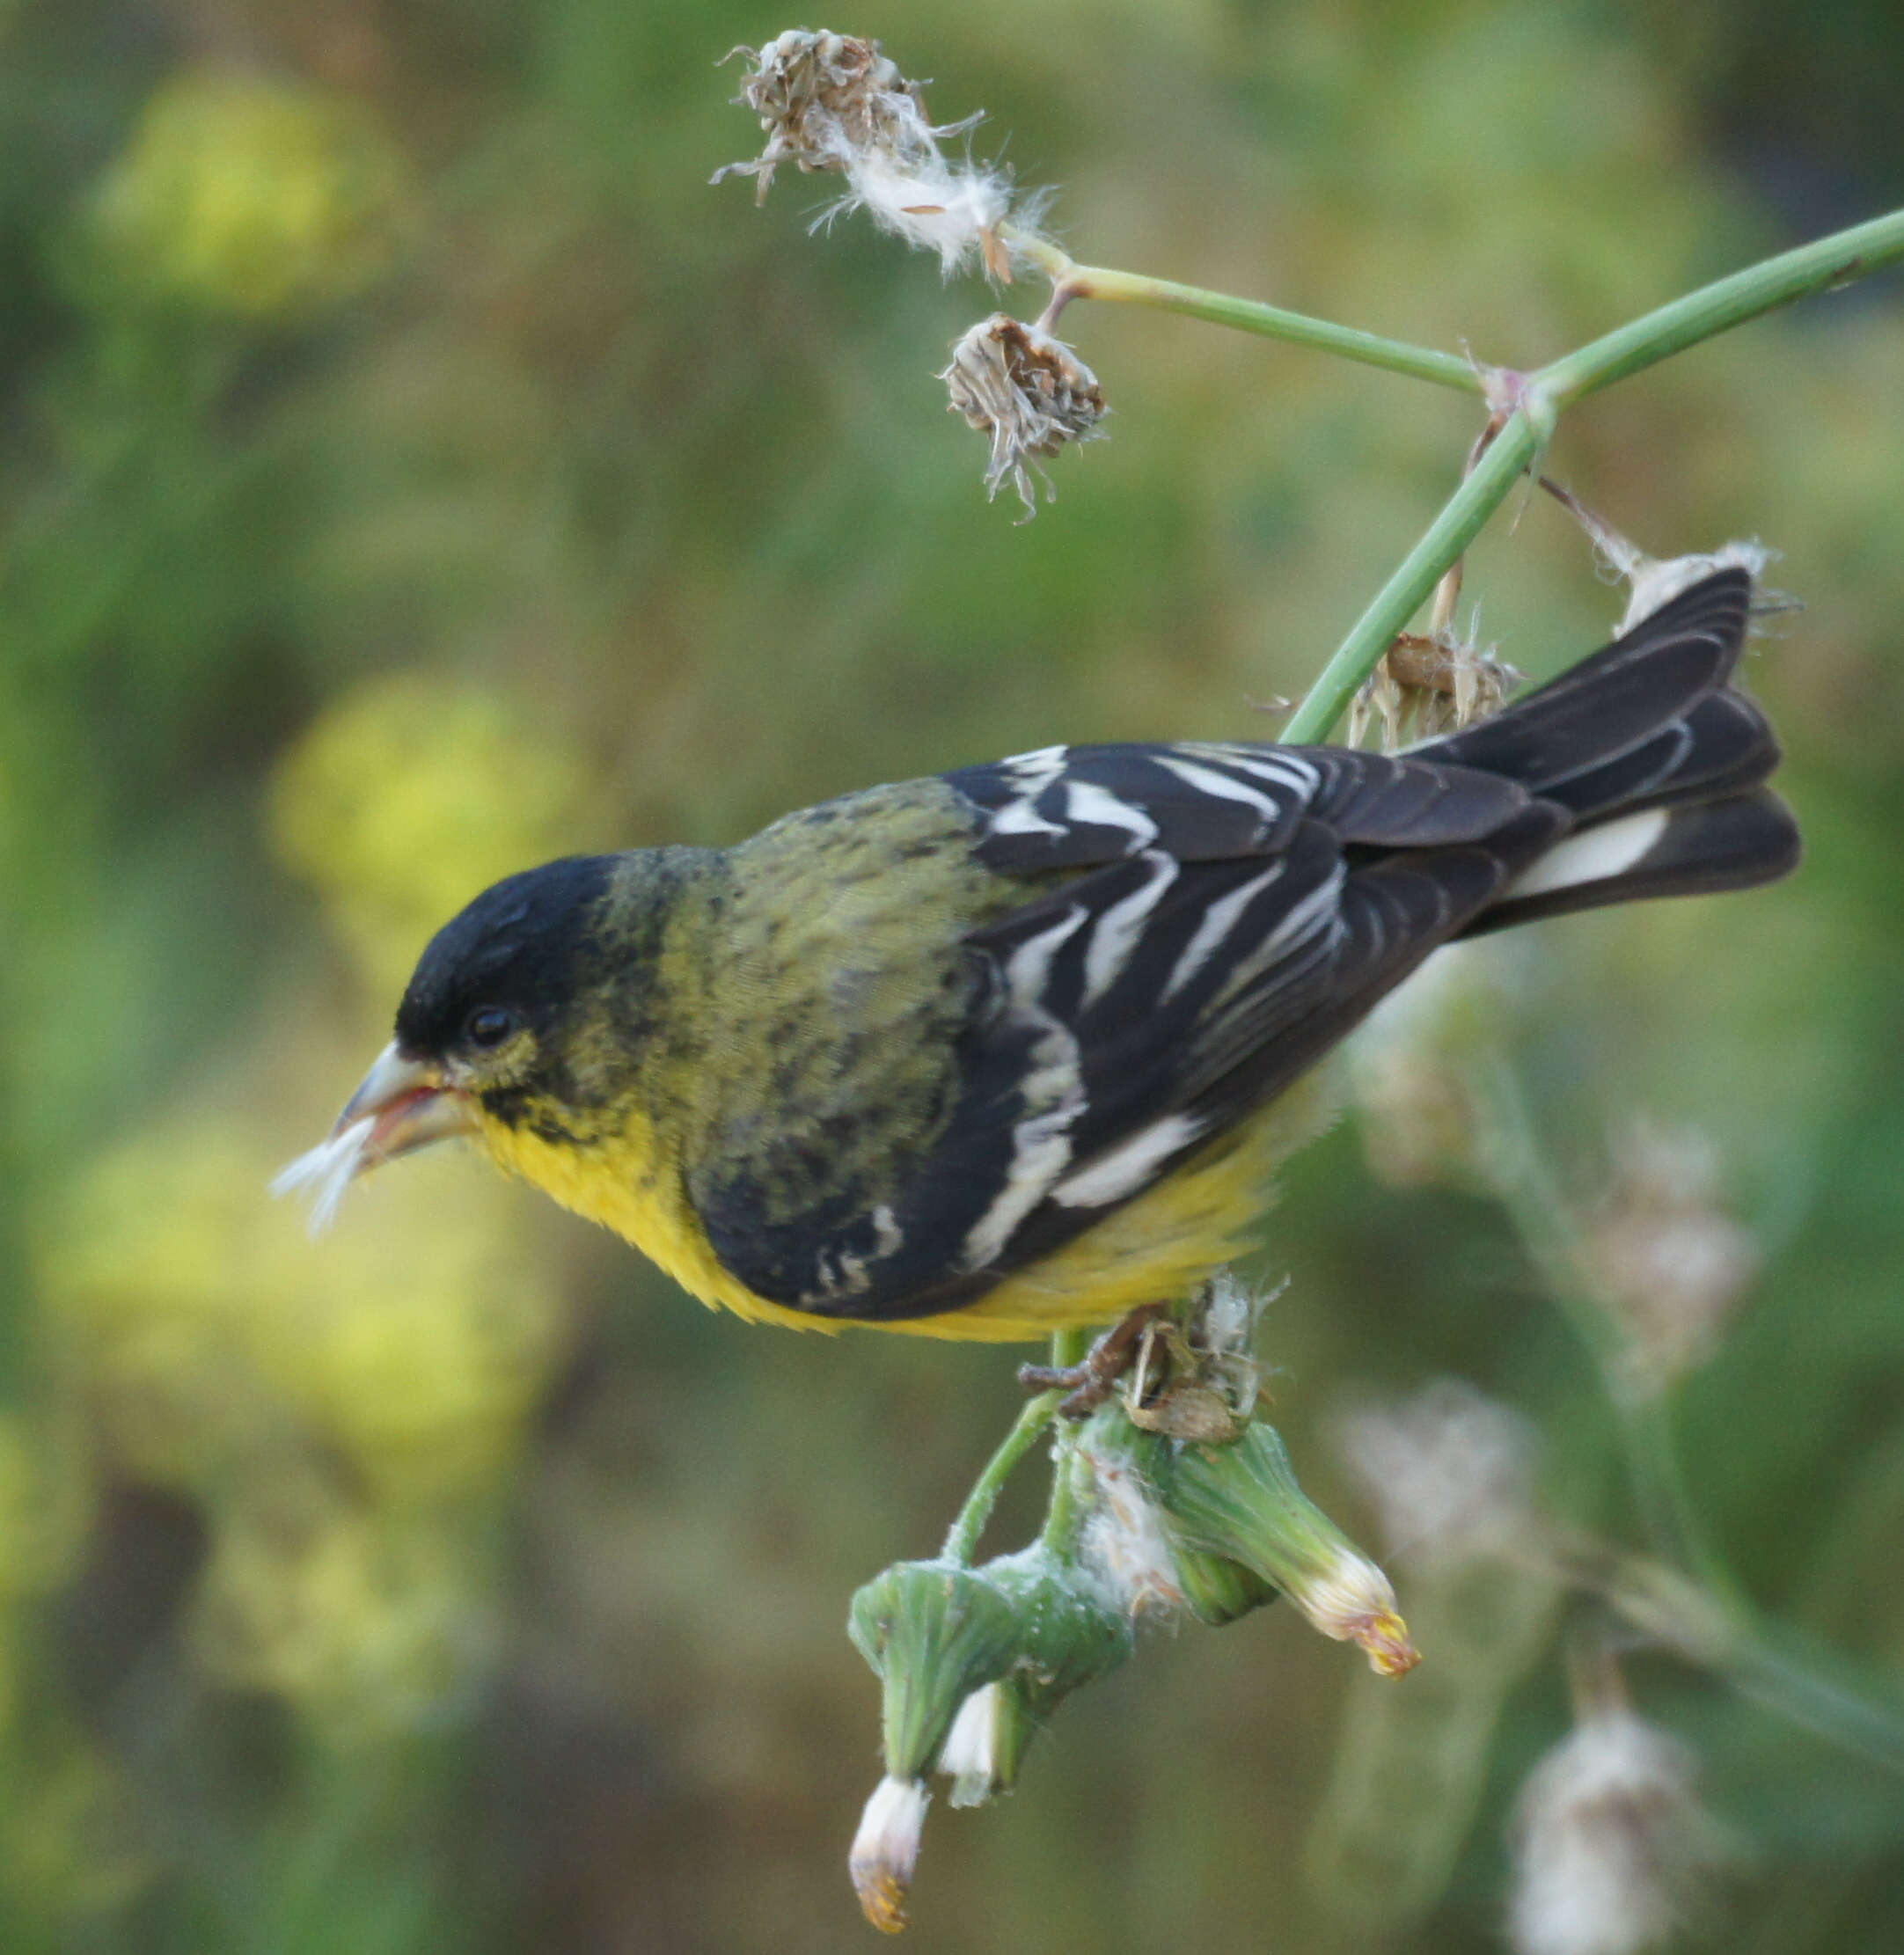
1219, 921
1117, 931
1596, 856
1125, 1168
1096, 806
1207, 780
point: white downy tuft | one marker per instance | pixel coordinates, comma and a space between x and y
885, 1849
329, 1169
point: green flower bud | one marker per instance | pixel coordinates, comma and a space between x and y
933, 1632
1070, 1634
1216, 1590
1241, 1503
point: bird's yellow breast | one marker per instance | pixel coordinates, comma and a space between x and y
1155, 1249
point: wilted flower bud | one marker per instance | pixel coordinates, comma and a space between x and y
1241, 1502
1612, 1847
1664, 1256
885, 1850
1029, 393
834, 102
1429, 684
973, 1662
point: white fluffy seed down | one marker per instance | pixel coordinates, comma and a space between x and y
1612, 1849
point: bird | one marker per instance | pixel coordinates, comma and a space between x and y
1011, 1049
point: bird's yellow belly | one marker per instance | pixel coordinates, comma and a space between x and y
1155, 1249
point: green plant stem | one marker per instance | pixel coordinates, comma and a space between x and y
1713, 309
961, 1542
1829, 262
1780, 1671
1065, 1514
1776, 1668
1481, 493
1070, 281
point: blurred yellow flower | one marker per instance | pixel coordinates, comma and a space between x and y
263, 198
367, 1623
343, 1415
407, 798
211, 1333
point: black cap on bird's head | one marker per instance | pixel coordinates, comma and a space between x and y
478, 1027
504, 963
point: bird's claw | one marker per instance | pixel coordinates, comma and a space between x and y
1089, 1383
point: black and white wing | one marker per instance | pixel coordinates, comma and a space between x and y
1216, 917
1241, 909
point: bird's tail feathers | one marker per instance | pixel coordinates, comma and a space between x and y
1659, 761
1618, 703
1690, 848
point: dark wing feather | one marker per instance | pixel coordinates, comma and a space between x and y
1219, 915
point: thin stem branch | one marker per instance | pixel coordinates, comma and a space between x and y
1072, 281
1785, 1674
1812, 1688
1064, 1515
1815, 267
961, 1542
1829, 262
1481, 493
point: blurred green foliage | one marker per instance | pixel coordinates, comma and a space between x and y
410, 469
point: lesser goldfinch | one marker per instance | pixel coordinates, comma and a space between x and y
999, 1051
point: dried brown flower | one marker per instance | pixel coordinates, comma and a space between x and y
1030, 393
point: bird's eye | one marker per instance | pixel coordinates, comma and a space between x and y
488, 1025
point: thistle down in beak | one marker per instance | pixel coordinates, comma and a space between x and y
402, 1104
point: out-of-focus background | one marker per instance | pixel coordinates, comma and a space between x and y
410, 469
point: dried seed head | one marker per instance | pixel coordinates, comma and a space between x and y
822, 98
1196, 1380
1666, 1257
1657, 581
1612, 1847
1029, 393
834, 102
1431, 684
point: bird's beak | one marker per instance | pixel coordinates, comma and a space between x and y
409, 1105
402, 1105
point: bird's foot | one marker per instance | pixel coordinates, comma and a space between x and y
1090, 1383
